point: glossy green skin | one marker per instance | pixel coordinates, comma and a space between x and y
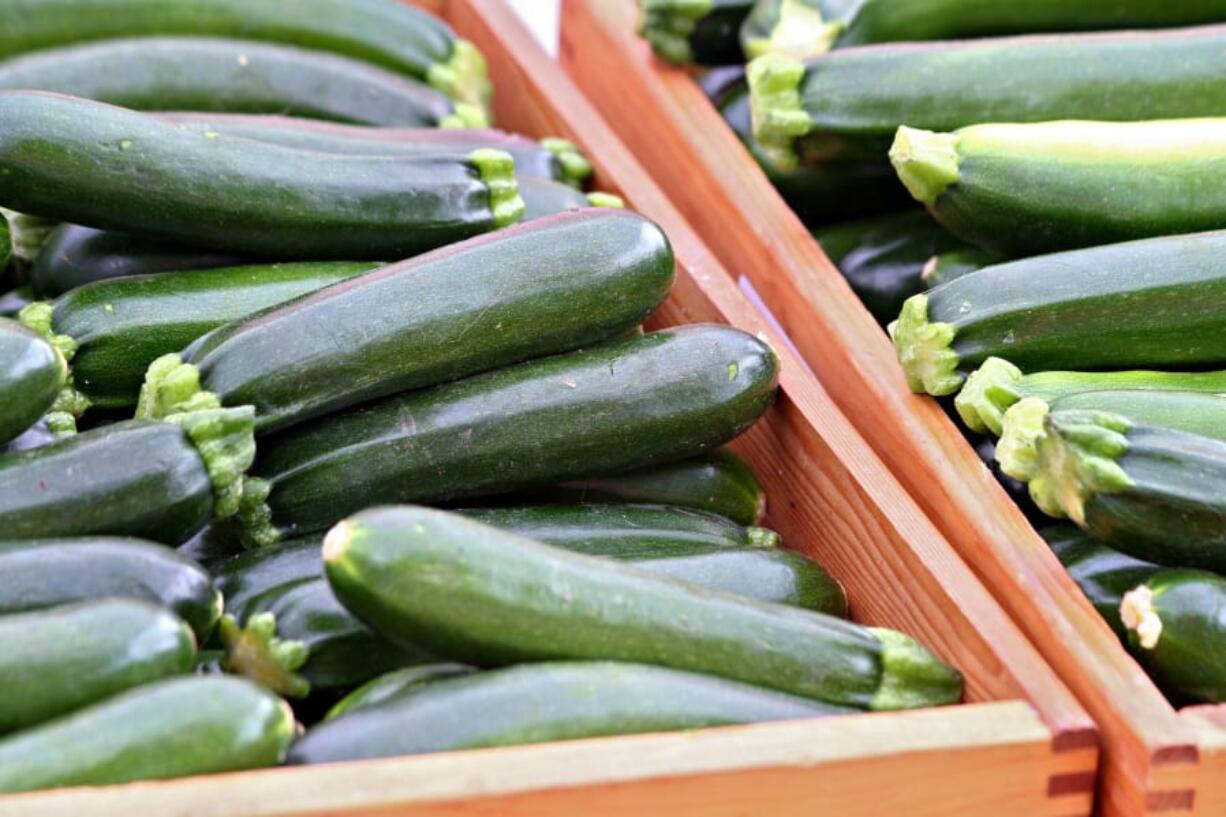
878, 21
228, 76
1175, 512
1103, 574
544, 197
44, 573
132, 478
124, 324
614, 529
537, 289
343, 652
531, 160
495, 598
251, 573
661, 397
1193, 412
538, 703
1189, 660
31, 376
857, 98
882, 257
390, 685
173, 728
85, 163
720, 483
954, 264
396, 36
74, 256
55, 661
1143, 303
819, 191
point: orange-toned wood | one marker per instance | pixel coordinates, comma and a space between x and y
1022, 746
1151, 752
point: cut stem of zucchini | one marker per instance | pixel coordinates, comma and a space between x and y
256, 652
924, 349
463, 77
1077, 461
778, 116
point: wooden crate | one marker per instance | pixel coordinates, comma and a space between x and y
1020, 747
1156, 760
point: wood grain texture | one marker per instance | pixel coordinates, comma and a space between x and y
661, 115
1022, 748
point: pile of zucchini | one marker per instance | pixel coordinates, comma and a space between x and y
329, 429
1064, 279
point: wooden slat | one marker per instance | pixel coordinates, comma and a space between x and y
998, 750
679, 137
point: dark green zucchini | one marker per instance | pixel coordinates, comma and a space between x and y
395, 35
55, 661
74, 256
648, 400
1151, 492
173, 728
391, 685
211, 74
543, 197
1142, 303
545, 702
883, 258
622, 529
1103, 574
544, 287
247, 575
1175, 622
1026, 189
32, 373
819, 191
555, 159
154, 480
720, 483
850, 102
111, 330
87, 163
953, 264
1194, 412
42, 573
808, 28
705, 32
496, 598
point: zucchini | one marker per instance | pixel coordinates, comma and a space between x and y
705, 32
552, 158
544, 197
996, 386
397, 36
245, 576
6, 254
1194, 412
545, 287
1175, 621
647, 400
35, 436
819, 191
55, 661
538, 703
172, 728
496, 598
391, 685
341, 651
14, 301
808, 28
1025, 189
851, 102
111, 330
74, 256
1143, 303
1104, 575
92, 164
953, 264
617, 530
210, 74
43, 573
154, 480
882, 258
1153, 493
719, 482
32, 372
